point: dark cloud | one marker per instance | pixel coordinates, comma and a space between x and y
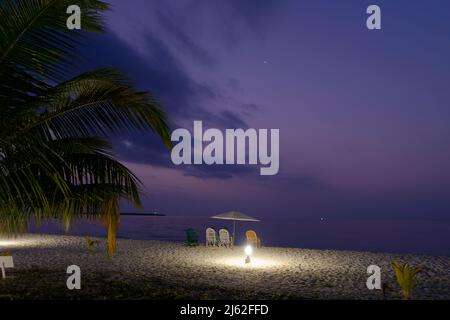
296, 181
255, 13
232, 17
170, 23
250, 109
225, 119
144, 149
177, 92
219, 172
234, 84
158, 72
172, 85
158, 69
233, 120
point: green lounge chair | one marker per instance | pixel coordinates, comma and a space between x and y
192, 237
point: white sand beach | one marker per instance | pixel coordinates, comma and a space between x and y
211, 273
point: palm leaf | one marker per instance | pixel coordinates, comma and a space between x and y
34, 35
96, 103
406, 277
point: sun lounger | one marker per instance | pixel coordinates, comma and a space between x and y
225, 239
192, 237
6, 262
211, 239
253, 239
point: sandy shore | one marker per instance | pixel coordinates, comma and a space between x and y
154, 269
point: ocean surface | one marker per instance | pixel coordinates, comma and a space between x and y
397, 236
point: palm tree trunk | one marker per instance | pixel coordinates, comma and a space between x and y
112, 221
405, 294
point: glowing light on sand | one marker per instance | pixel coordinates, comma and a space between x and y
257, 263
25, 241
9, 243
248, 251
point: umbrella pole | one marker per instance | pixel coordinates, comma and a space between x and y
234, 230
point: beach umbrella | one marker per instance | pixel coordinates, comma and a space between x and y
234, 216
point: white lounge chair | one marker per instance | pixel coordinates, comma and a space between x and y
6, 262
211, 239
224, 237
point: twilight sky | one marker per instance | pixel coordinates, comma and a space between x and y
364, 116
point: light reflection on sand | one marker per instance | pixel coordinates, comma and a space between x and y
257, 263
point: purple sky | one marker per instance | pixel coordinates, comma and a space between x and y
364, 116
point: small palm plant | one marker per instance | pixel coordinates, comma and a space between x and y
91, 243
406, 278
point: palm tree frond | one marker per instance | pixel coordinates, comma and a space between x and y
97, 103
34, 34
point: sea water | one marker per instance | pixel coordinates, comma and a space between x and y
397, 236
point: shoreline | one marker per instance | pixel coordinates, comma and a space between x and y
182, 241
152, 269
347, 234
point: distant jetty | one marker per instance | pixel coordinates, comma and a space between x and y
154, 214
